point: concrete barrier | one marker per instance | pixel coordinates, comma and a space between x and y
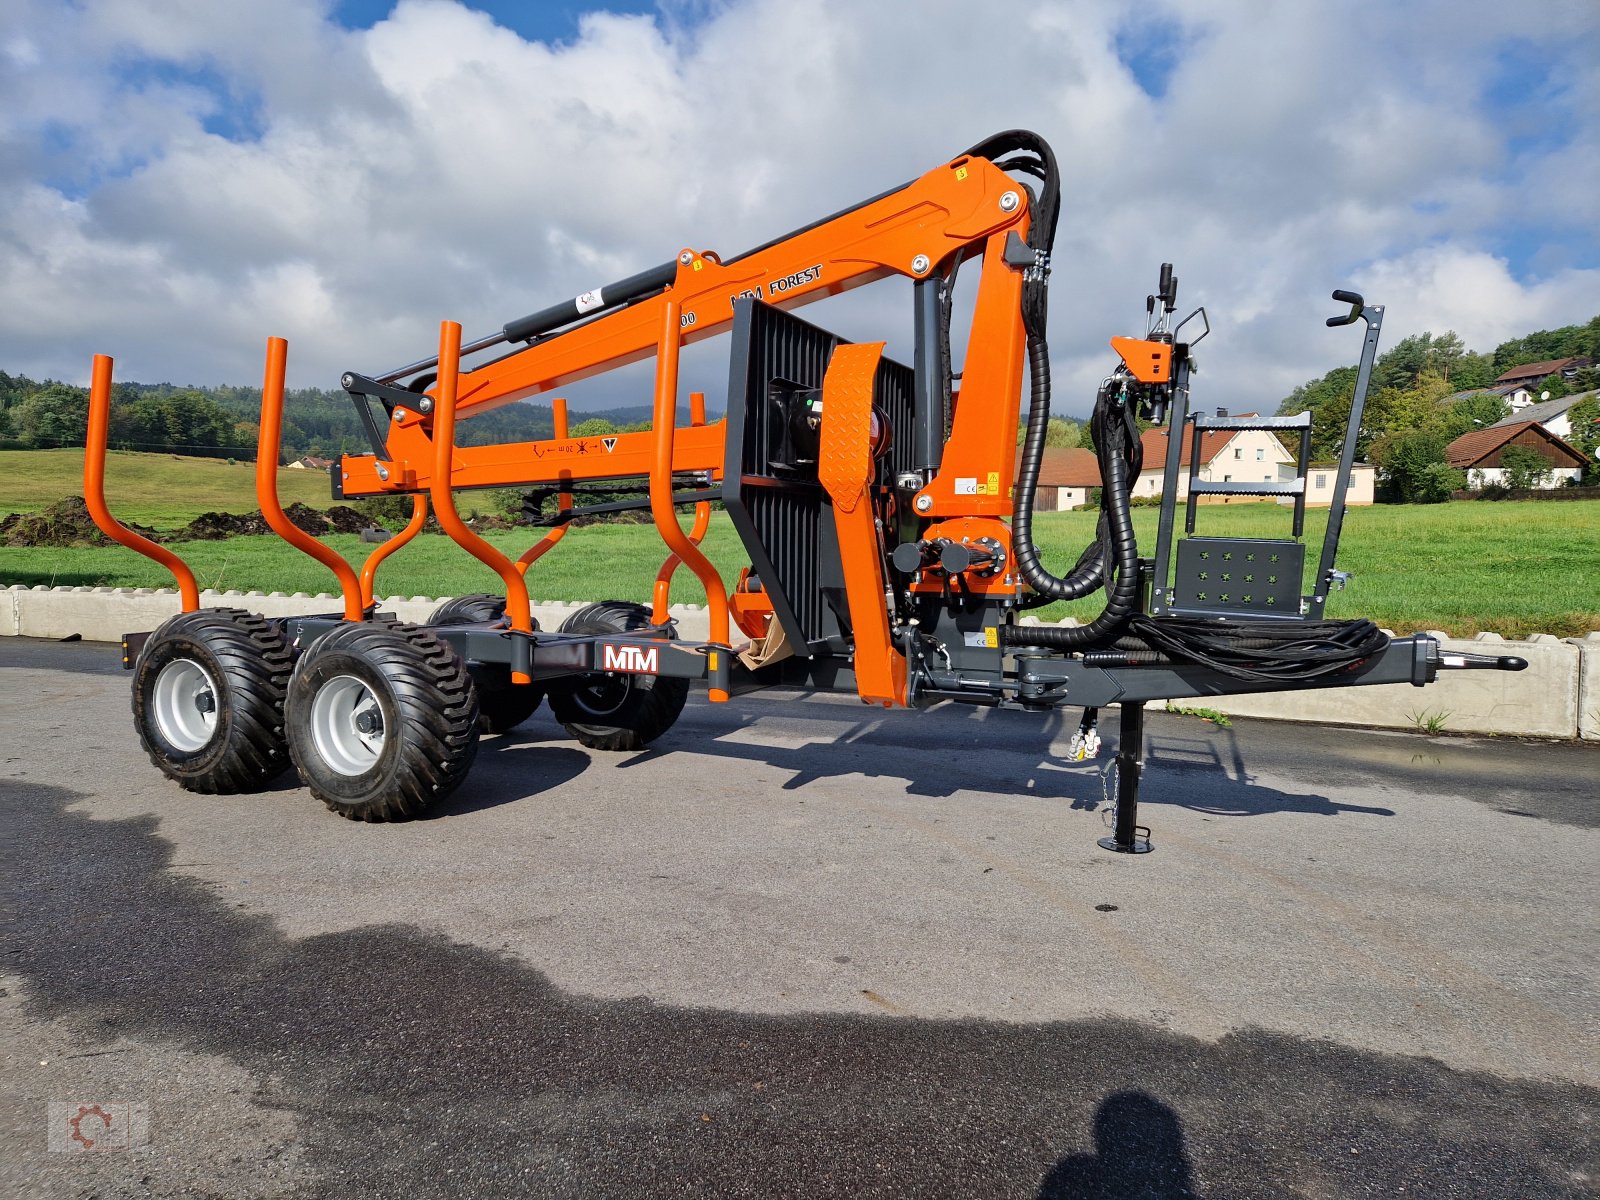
1558, 696
105, 614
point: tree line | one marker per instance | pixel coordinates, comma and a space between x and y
1430, 389
222, 422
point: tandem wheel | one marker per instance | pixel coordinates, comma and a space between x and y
208, 694
382, 720
616, 712
502, 705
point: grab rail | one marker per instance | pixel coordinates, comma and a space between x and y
94, 488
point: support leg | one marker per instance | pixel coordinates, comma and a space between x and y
1129, 837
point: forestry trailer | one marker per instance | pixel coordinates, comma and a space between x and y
886, 515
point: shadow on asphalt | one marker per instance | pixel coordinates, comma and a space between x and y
418, 1066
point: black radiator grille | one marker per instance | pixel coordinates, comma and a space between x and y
780, 518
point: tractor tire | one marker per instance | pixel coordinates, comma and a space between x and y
208, 691
616, 712
382, 720
502, 705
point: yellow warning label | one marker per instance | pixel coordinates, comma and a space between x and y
961, 172
698, 264
994, 483
991, 636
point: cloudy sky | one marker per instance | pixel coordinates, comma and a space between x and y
181, 178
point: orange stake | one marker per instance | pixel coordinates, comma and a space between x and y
444, 500
94, 489
558, 412
662, 597
267, 449
666, 517
369, 569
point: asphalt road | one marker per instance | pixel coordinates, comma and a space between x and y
803, 948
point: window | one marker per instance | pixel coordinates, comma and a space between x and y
1320, 482
1261, 456
1227, 479
1237, 452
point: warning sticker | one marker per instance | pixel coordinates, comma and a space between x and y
983, 639
590, 301
967, 485
994, 483
610, 444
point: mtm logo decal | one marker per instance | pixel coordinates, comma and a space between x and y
636, 659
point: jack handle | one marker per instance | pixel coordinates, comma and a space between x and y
1357, 308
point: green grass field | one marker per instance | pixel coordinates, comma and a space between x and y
166, 491
1512, 567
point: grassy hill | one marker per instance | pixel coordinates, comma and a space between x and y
163, 490
1512, 568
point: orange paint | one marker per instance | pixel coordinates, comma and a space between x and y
268, 447
94, 489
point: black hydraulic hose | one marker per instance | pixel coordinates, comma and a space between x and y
1089, 574
1116, 438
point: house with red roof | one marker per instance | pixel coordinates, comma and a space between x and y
1244, 456
1480, 453
1066, 476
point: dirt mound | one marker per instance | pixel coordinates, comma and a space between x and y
344, 519
219, 526
65, 523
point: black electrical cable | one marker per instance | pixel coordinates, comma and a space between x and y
1260, 651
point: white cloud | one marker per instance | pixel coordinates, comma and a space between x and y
440, 165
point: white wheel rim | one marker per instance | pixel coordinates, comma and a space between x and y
347, 725
185, 702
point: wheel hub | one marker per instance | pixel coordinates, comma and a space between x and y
184, 700
347, 725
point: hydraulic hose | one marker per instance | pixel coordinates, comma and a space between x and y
1113, 560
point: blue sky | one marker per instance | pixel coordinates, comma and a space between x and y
185, 177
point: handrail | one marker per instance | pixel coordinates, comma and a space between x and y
664, 423
94, 488
558, 412
661, 598
268, 446
518, 608
369, 569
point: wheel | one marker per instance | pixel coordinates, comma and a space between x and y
616, 712
208, 691
382, 720
502, 705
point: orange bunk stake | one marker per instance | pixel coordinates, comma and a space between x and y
844, 467
369, 569
558, 411
268, 448
665, 420
661, 599
94, 489
444, 500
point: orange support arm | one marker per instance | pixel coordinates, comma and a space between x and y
661, 599
558, 413
369, 569
844, 467
268, 447
94, 488
664, 422
444, 500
